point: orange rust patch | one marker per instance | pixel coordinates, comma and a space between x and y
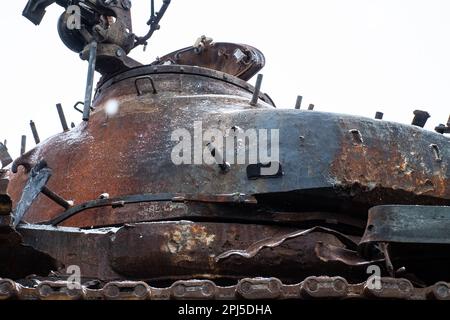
387, 161
186, 238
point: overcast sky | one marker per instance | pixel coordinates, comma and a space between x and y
346, 56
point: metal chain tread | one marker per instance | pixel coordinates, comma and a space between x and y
246, 289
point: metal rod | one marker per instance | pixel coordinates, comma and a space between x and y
153, 23
311, 107
90, 80
37, 140
62, 117
152, 11
298, 104
23, 145
379, 115
56, 198
255, 97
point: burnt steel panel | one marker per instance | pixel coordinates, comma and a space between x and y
242, 61
408, 224
356, 161
183, 250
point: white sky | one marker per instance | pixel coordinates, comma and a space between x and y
346, 56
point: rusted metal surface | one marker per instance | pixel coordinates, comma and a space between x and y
69, 246
155, 198
244, 228
188, 87
220, 212
247, 289
140, 227
182, 250
18, 260
123, 151
390, 156
333, 254
274, 242
239, 60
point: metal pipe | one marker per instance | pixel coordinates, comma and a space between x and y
23, 145
298, 104
255, 97
56, 198
37, 140
152, 10
153, 22
62, 117
90, 80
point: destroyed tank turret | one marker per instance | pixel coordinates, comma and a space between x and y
184, 181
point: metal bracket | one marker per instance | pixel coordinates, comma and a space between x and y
153, 22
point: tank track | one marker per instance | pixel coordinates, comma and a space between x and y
246, 289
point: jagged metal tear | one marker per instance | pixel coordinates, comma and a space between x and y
39, 177
5, 157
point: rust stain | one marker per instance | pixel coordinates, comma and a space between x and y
118, 154
186, 238
242, 61
390, 161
